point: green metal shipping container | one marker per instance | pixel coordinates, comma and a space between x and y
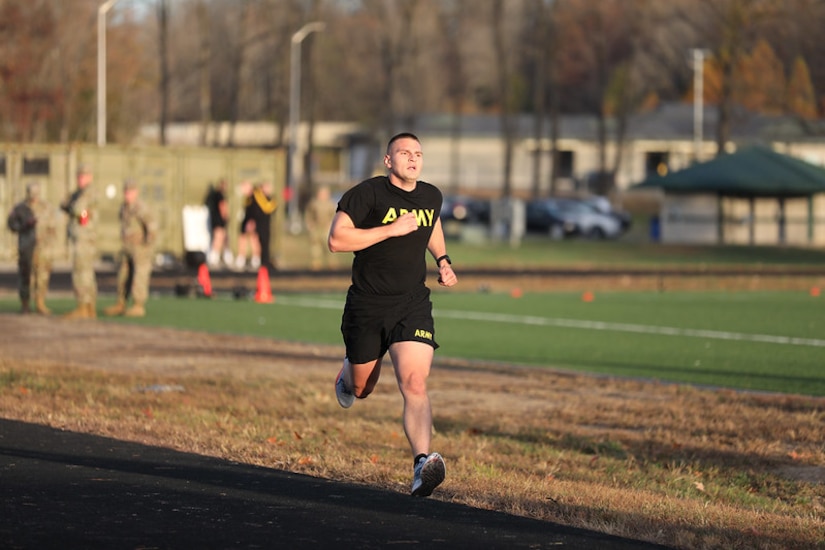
169, 178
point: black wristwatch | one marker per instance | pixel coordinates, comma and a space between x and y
444, 257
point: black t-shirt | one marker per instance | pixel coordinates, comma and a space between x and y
213, 202
397, 265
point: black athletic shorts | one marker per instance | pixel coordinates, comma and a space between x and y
370, 324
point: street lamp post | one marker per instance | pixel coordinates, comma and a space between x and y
101, 70
698, 101
294, 115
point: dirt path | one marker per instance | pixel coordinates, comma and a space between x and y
505, 390
638, 413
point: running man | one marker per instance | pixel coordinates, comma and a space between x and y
388, 222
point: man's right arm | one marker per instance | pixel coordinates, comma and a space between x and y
345, 237
68, 204
13, 221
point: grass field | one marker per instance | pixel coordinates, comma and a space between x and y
540, 251
629, 251
764, 341
687, 466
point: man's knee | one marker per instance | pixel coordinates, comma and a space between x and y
413, 385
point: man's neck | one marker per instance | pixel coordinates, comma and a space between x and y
405, 185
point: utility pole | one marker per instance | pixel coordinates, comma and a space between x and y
101, 70
698, 101
294, 118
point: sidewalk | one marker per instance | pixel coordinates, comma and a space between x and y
70, 490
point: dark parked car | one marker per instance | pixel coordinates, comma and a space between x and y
545, 216
561, 218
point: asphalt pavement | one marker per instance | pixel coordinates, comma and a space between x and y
68, 490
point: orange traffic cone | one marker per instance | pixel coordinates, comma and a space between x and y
204, 280
264, 293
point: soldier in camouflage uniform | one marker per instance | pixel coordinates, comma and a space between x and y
34, 222
138, 230
82, 211
318, 218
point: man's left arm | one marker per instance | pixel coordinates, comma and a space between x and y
438, 248
150, 225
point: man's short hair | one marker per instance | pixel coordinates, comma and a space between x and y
402, 135
32, 190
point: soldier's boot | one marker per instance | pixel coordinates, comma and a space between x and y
116, 309
40, 304
24, 305
91, 311
137, 310
80, 312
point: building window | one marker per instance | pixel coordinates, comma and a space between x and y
2, 167
37, 166
656, 162
564, 168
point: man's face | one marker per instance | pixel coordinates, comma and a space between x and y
405, 159
84, 179
130, 195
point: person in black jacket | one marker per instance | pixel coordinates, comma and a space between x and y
218, 208
262, 206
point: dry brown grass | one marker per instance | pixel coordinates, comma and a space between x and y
687, 467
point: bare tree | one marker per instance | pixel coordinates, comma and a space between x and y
451, 19
238, 59
794, 34
204, 72
310, 90
282, 22
540, 41
600, 54
27, 31
396, 44
627, 88
555, 97
504, 93
394, 59
801, 98
163, 58
730, 26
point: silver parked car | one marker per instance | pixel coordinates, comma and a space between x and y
603, 205
561, 218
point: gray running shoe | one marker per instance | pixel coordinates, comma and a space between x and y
428, 474
345, 396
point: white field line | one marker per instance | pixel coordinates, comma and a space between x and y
586, 325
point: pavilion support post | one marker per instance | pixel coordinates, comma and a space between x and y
811, 219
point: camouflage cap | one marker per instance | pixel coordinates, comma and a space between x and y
129, 185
